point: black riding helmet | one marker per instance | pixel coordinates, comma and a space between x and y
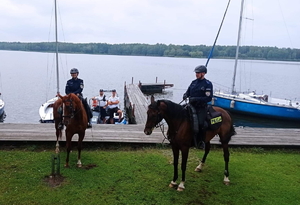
74, 70
201, 69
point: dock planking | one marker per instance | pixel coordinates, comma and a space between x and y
136, 99
246, 136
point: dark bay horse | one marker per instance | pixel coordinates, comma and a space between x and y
180, 134
69, 110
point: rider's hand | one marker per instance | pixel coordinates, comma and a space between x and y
184, 97
192, 99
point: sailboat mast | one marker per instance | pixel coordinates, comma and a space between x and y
56, 44
237, 46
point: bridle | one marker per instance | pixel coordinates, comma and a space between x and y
71, 109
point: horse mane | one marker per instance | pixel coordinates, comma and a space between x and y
75, 99
174, 110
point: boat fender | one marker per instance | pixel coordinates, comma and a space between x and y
213, 101
232, 104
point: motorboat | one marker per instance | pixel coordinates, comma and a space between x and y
46, 111
2, 112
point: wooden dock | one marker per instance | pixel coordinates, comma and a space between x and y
136, 104
135, 134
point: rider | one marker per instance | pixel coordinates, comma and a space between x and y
200, 93
101, 105
75, 85
113, 107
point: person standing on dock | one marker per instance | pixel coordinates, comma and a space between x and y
75, 85
200, 93
101, 105
113, 107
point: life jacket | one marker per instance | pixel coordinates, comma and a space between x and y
95, 103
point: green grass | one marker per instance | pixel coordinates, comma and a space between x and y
140, 175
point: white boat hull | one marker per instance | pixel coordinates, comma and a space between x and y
2, 112
46, 111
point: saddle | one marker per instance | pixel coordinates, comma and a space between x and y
213, 118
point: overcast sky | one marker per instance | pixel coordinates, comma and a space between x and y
190, 22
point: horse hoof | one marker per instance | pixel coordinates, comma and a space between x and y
180, 189
66, 166
226, 183
198, 170
79, 165
173, 185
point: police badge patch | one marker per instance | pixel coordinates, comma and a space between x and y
207, 93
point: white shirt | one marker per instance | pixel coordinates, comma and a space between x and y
101, 100
113, 99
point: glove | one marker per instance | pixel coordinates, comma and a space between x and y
192, 99
184, 97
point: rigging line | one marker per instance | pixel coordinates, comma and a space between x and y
64, 40
213, 47
287, 30
48, 77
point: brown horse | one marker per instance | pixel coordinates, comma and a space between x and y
69, 110
180, 134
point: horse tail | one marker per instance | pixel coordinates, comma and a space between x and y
231, 132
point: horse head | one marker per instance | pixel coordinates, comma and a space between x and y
69, 103
153, 116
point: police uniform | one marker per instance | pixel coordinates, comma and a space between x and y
200, 93
74, 85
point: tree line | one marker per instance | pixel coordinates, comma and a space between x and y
171, 50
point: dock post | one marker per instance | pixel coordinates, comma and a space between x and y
55, 164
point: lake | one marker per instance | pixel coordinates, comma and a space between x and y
28, 79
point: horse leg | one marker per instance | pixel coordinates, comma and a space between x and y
175, 165
185, 154
58, 136
79, 146
202, 162
69, 147
226, 180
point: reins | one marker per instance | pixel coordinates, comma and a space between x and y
161, 125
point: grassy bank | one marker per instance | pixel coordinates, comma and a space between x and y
140, 175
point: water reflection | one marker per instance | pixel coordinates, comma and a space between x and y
249, 121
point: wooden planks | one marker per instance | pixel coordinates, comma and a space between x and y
138, 101
135, 134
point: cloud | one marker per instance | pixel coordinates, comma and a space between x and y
181, 22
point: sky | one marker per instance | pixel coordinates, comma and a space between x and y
179, 22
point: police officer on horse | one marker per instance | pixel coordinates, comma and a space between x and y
75, 85
200, 93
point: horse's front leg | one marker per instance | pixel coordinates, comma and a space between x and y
58, 136
226, 180
69, 147
81, 136
175, 151
202, 162
185, 154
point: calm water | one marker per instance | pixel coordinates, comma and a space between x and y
28, 79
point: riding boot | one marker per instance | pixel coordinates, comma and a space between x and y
88, 112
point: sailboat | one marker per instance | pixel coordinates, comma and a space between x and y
2, 112
252, 104
46, 109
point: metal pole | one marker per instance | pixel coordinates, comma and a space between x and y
237, 47
213, 47
56, 43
